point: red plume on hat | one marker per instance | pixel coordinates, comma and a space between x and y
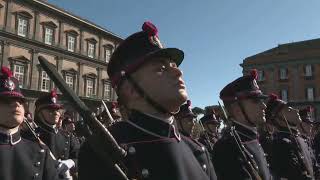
254, 74
273, 97
53, 93
6, 72
309, 109
114, 105
150, 28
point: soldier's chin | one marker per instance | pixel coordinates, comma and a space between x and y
184, 95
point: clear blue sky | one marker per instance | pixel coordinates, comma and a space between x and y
216, 35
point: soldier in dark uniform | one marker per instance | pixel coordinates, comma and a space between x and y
238, 154
114, 112
210, 135
63, 146
316, 140
149, 84
20, 158
305, 129
290, 157
185, 120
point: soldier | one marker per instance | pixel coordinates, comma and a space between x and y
290, 157
20, 158
305, 127
185, 120
149, 84
210, 135
114, 112
47, 116
238, 154
316, 140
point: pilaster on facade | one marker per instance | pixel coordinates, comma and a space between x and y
80, 80
34, 77
36, 34
99, 83
6, 52
61, 34
99, 49
9, 6
81, 43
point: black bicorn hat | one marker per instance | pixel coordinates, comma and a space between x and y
185, 111
306, 114
210, 117
48, 101
244, 87
274, 106
9, 85
136, 50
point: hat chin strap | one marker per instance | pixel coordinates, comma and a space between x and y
245, 114
153, 103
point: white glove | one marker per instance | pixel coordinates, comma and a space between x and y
64, 167
69, 163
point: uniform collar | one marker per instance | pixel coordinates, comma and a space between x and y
246, 133
12, 138
153, 126
47, 126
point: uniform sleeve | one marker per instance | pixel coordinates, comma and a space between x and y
286, 161
74, 149
50, 171
227, 162
90, 166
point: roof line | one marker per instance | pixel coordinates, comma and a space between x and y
75, 17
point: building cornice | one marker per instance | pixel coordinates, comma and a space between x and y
67, 15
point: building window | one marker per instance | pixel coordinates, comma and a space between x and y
107, 52
261, 75
310, 94
284, 95
69, 80
308, 70
89, 87
71, 41
19, 71
283, 73
107, 91
45, 82
91, 49
23, 24
48, 36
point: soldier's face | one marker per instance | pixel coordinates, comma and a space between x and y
161, 79
307, 127
51, 116
291, 115
12, 112
187, 124
255, 109
211, 127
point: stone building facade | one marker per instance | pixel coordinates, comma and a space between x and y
292, 71
79, 49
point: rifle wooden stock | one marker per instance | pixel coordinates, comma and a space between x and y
101, 140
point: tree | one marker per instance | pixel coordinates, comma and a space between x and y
197, 110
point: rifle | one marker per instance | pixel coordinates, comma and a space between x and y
305, 171
250, 163
108, 150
